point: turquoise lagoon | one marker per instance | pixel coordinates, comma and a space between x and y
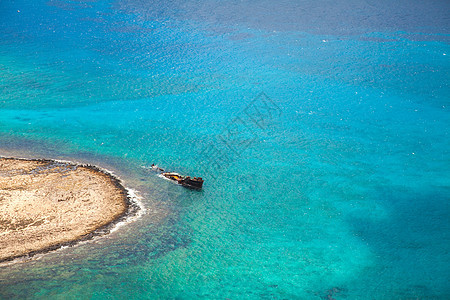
339, 191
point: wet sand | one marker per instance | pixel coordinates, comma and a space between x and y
47, 204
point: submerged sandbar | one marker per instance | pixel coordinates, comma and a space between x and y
48, 204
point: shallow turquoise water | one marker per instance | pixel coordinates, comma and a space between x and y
340, 190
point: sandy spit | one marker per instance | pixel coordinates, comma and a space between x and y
47, 204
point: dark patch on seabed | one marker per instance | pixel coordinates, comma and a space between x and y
156, 242
415, 238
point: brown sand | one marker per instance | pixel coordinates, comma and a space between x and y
47, 204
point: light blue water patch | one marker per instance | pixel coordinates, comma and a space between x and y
338, 190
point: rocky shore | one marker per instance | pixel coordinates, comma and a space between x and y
47, 204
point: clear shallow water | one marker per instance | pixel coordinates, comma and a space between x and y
344, 194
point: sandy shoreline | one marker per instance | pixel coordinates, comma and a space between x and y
47, 204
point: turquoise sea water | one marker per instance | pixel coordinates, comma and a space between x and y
336, 185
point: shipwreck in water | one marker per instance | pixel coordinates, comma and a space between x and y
185, 181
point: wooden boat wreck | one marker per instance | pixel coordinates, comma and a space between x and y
185, 181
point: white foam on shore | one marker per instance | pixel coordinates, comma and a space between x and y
136, 199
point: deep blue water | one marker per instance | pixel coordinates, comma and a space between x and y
321, 129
